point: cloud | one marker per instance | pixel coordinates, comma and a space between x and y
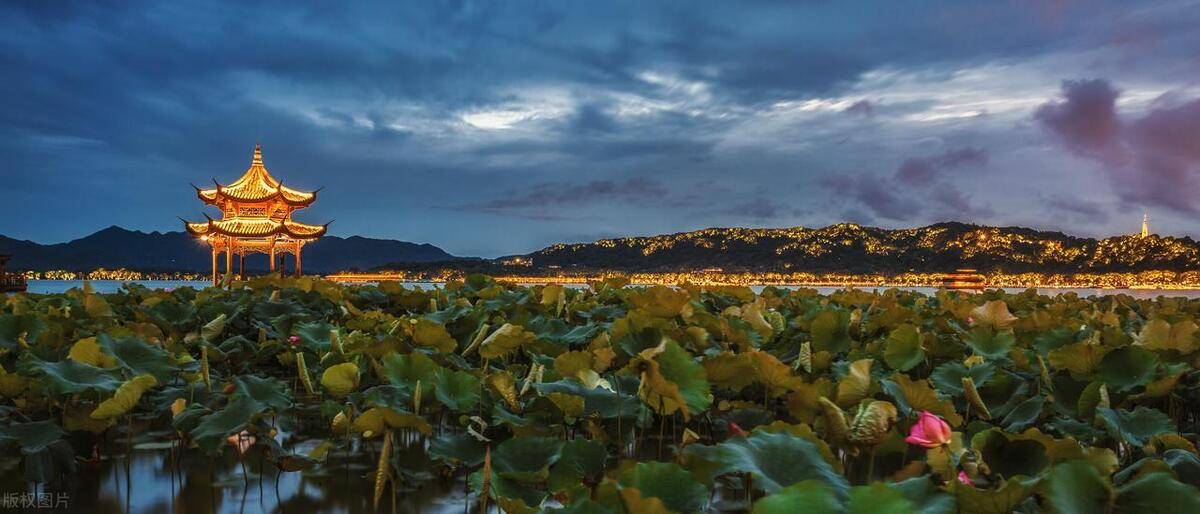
920, 171
1150, 160
1086, 119
862, 108
546, 200
876, 195
482, 104
1076, 209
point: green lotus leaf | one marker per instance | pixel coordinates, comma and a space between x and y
139, 357
457, 390
406, 370
830, 331
583, 506
926, 497
775, 459
214, 428
674, 381
15, 327
947, 378
990, 342
271, 392
1001, 500
1010, 457
46, 456
1024, 414
580, 461
1135, 427
903, 350
501, 488
878, 498
600, 401
1125, 368
70, 377
809, 497
672, 485
314, 336
460, 447
1185, 464
526, 459
31, 437
172, 315
1156, 492
1075, 487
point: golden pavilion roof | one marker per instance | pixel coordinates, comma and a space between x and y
256, 227
256, 185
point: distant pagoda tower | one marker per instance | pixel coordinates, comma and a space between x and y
1145, 224
256, 217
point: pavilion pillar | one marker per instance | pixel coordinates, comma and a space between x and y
229, 257
214, 266
272, 258
298, 272
242, 265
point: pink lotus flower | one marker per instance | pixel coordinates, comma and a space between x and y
929, 431
736, 430
966, 480
294, 340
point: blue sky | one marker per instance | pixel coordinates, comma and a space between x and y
491, 128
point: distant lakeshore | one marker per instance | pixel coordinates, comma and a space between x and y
1166, 280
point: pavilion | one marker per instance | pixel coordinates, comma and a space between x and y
256, 217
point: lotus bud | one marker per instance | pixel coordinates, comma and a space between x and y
930, 431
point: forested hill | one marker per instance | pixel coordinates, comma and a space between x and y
857, 249
116, 247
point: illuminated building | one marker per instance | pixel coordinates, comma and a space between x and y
1145, 224
256, 217
10, 282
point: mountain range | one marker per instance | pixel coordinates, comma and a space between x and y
840, 248
851, 248
116, 247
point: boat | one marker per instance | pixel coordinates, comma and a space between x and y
964, 279
10, 282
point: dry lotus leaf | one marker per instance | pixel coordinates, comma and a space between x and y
994, 313
871, 424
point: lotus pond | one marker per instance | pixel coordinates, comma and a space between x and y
301, 395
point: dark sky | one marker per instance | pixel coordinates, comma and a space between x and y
490, 128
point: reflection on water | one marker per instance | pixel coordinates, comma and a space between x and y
158, 479
111, 286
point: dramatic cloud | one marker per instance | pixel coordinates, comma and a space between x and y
1086, 119
920, 171
556, 199
491, 128
1151, 160
876, 195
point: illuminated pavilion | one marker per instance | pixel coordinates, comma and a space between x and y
256, 217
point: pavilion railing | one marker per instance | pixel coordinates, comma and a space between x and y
11, 279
